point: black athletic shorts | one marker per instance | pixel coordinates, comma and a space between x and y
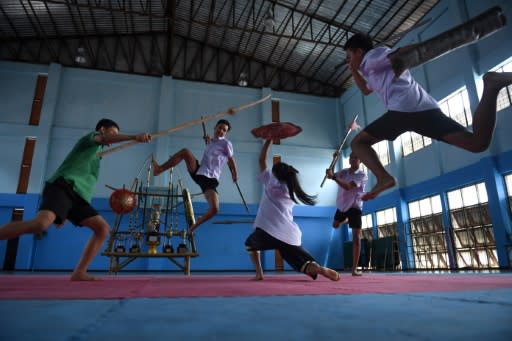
353, 215
60, 198
295, 255
203, 181
432, 123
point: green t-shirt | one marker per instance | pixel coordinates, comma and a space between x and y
82, 166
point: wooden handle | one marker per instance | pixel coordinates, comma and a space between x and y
335, 158
184, 125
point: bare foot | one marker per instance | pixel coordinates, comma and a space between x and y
258, 278
380, 187
357, 273
331, 274
314, 269
77, 276
156, 168
497, 80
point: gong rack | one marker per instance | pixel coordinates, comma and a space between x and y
153, 226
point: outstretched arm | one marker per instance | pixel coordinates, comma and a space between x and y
109, 139
263, 155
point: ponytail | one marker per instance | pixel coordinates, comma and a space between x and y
288, 174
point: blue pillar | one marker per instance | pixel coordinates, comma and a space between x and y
498, 209
402, 218
448, 231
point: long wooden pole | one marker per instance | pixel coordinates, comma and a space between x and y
185, 125
242, 196
337, 155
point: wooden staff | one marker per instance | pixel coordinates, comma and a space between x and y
185, 125
241, 196
337, 155
233, 222
205, 136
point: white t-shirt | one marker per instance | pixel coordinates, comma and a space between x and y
345, 200
275, 210
398, 93
214, 157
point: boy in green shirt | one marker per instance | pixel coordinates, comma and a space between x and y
68, 193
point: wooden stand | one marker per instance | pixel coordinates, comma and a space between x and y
152, 226
118, 260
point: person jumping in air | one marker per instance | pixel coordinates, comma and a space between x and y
411, 108
206, 173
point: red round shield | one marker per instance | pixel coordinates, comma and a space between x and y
276, 130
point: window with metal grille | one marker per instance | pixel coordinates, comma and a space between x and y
505, 95
471, 228
457, 107
508, 184
386, 222
367, 227
382, 150
427, 234
412, 142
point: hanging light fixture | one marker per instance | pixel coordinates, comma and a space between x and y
80, 56
242, 81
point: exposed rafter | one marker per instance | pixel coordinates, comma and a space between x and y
216, 41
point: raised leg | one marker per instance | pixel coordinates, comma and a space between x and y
39, 224
484, 120
183, 154
362, 147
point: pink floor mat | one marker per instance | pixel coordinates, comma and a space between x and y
151, 286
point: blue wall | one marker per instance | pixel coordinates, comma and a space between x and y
76, 99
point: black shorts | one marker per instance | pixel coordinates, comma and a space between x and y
431, 123
60, 198
295, 255
203, 181
353, 215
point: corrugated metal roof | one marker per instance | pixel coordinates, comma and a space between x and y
205, 40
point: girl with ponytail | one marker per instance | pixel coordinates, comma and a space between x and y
274, 227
